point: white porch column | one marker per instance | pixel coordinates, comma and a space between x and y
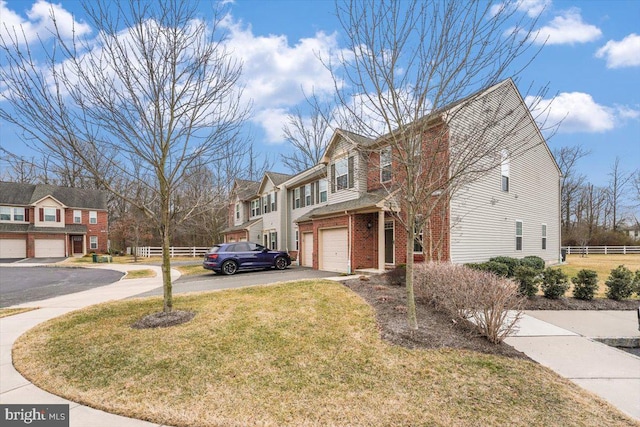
381, 240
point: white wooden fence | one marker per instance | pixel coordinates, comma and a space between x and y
174, 251
606, 250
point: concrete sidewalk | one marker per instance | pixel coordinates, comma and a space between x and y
14, 388
563, 341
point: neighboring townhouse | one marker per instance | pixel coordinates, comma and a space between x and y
38, 220
258, 211
343, 214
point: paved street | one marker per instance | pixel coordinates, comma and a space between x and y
26, 284
214, 281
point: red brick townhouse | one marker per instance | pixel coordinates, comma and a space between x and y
344, 214
38, 220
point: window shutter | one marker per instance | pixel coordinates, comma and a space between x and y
57, 215
268, 202
333, 178
313, 193
293, 199
351, 177
26, 214
318, 192
41, 214
303, 196
275, 201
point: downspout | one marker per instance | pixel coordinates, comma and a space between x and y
285, 226
348, 243
560, 220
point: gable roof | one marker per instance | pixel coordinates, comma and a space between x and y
354, 138
246, 189
275, 177
20, 194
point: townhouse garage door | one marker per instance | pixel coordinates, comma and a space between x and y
333, 250
46, 248
13, 248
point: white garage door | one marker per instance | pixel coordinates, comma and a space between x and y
307, 249
13, 248
333, 252
49, 248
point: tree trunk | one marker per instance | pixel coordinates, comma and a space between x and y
412, 320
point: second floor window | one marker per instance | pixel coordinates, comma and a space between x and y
417, 241
307, 195
296, 198
50, 214
255, 207
237, 210
323, 190
77, 217
274, 203
504, 170
385, 165
93, 217
342, 174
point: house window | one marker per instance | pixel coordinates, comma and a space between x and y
323, 190
296, 198
385, 164
504, 170
50, 214
296, 237
273, 237
77, 217
342, 174
544, 236
265, 204
93, 217
307, 195
255, 207
18, 214
237, 210
274, 204
93, 242
417, 241
518, 235
5, 213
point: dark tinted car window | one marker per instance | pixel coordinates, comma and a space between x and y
230, 248
241, 247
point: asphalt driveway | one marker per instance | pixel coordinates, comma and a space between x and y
212, 281
25, 284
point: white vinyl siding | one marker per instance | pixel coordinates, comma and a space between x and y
482, 216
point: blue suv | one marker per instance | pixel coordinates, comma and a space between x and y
227, 258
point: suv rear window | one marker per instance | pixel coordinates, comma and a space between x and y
214, 249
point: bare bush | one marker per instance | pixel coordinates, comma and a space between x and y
483, 301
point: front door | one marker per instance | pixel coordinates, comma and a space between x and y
389, 248
77, 244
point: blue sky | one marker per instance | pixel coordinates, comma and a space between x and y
591, 62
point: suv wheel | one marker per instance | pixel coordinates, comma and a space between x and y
229, 267
281, 263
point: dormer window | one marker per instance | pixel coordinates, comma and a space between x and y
50, 214
237, 210
342, 174
323, 190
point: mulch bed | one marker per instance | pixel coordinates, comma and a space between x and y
164, 320
437, 330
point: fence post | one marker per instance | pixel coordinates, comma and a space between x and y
605, 249
624, 250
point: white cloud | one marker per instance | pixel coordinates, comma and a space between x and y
277, 74
532, 8
623, 53
39, 22
567, 28
578, 112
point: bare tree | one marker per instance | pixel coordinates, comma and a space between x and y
308, 135
411, 70
567, 158
152, 94
617, 185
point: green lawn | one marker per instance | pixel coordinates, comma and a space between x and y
306, 353
602, 264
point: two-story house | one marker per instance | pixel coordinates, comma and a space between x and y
38, 220
346, 213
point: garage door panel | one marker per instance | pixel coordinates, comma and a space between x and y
13, 248
334, 250
307, 242
46, 248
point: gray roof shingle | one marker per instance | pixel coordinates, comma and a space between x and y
19, 194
